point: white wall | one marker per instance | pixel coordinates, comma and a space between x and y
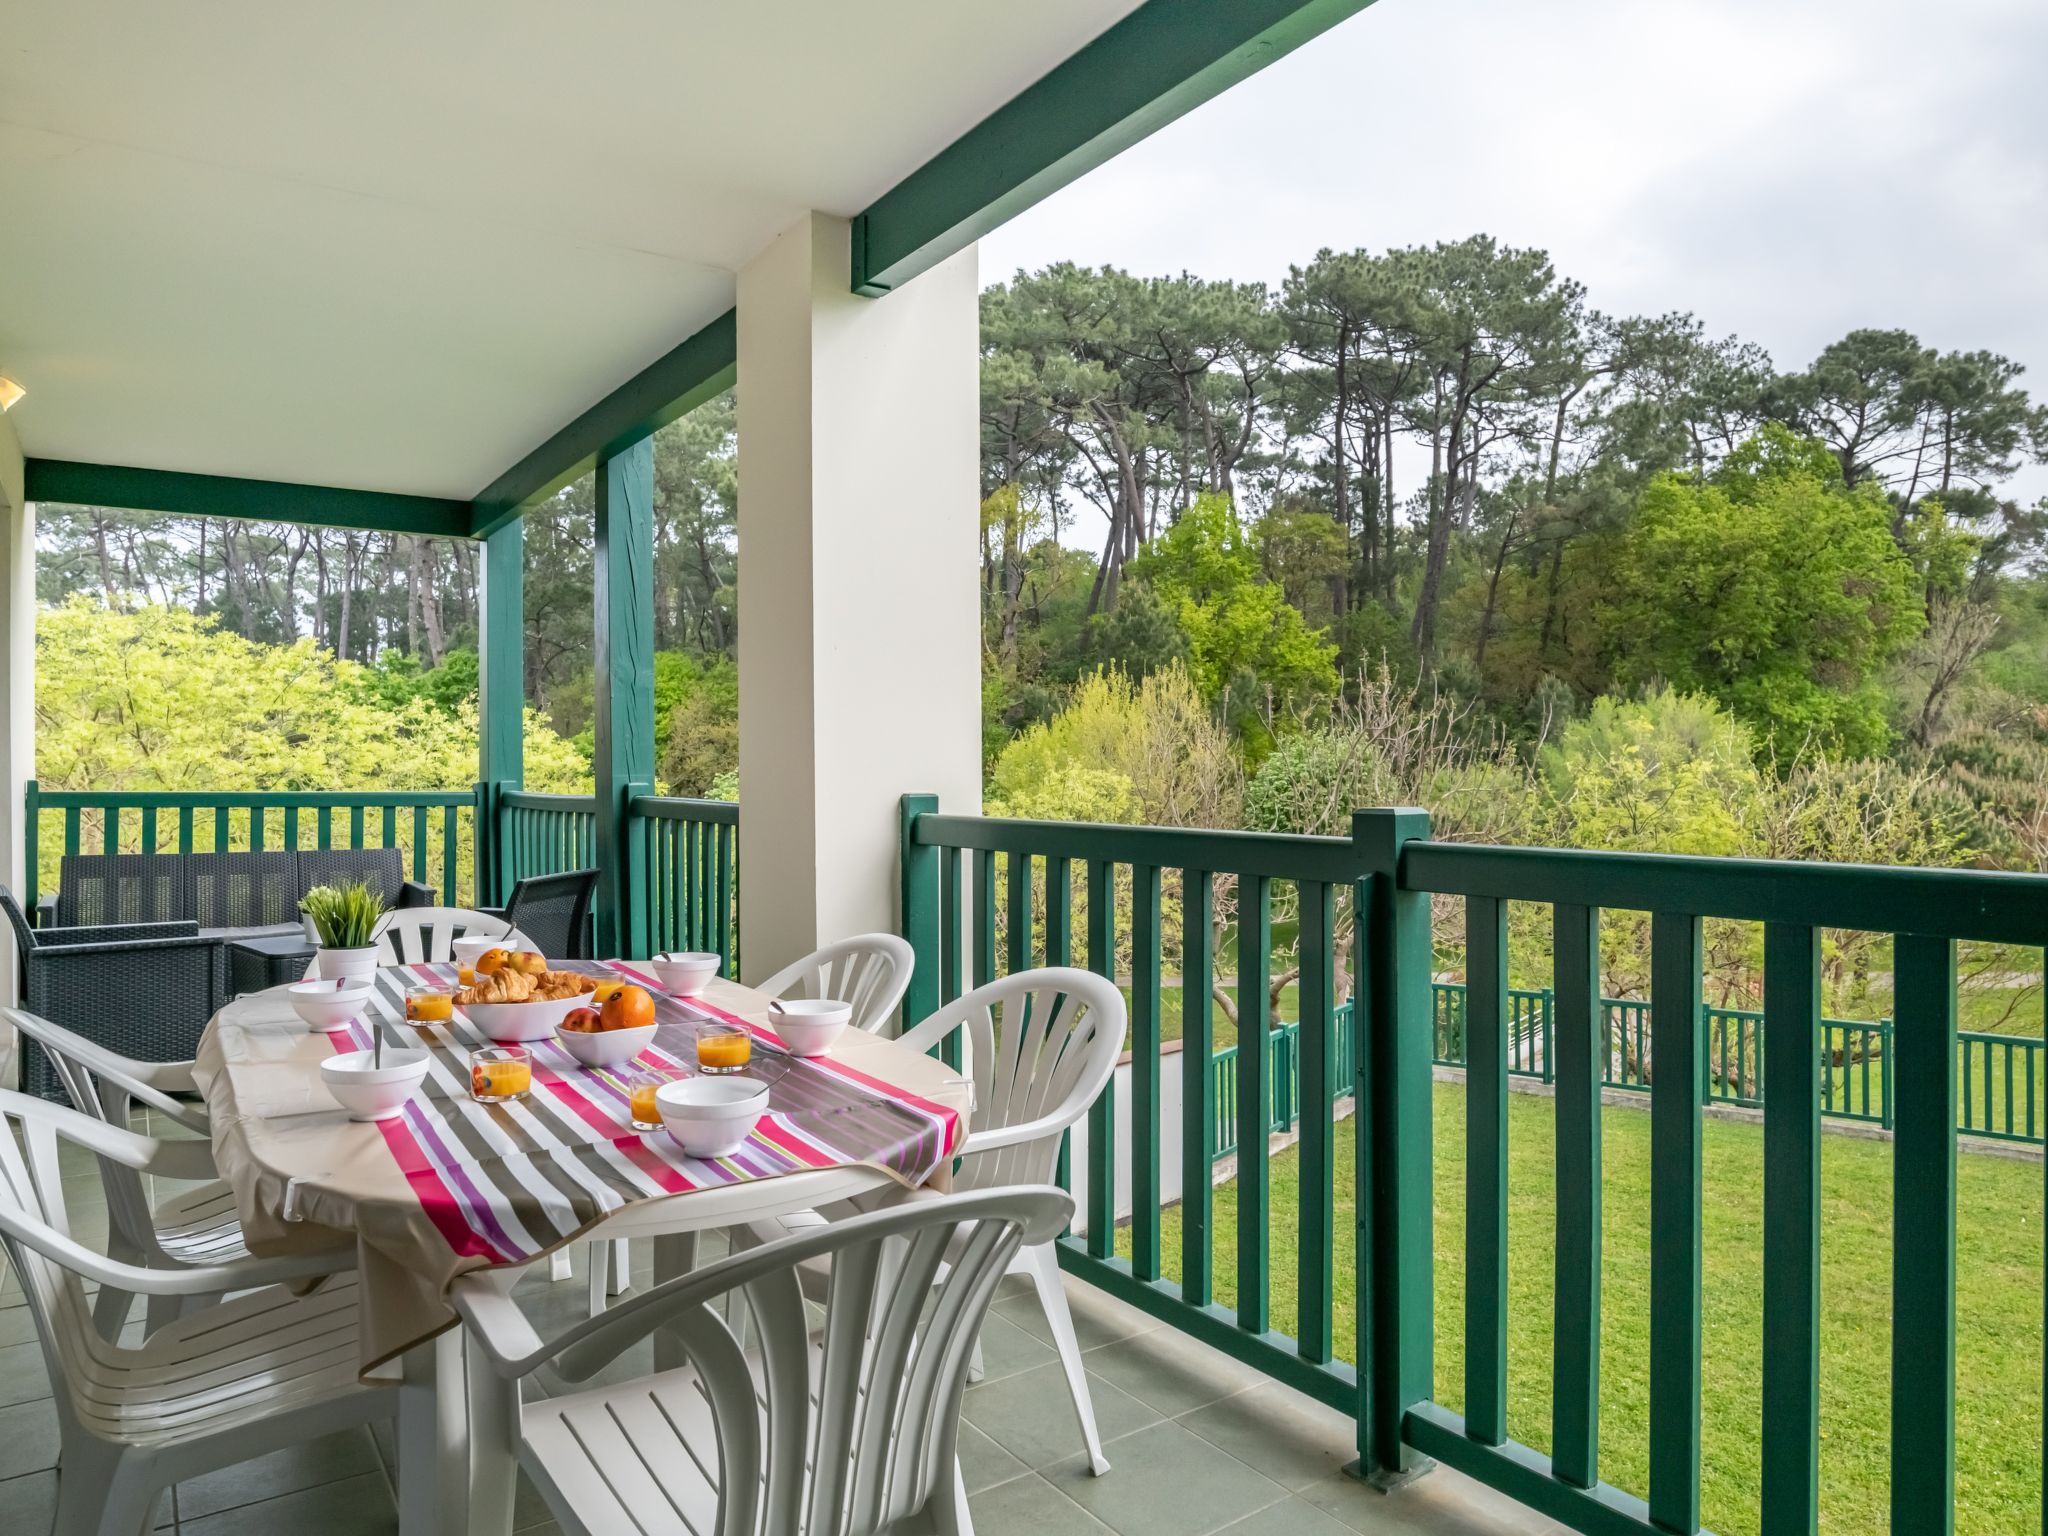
860, 629
17, 695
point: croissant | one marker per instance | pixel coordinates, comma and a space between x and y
504, 987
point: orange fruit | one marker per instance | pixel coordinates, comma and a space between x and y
492, 961
627, 1007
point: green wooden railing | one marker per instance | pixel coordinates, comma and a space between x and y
545, 834
1283, 1080
1918, 1073
689, 850
436, 829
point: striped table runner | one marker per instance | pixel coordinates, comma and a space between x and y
504, 1183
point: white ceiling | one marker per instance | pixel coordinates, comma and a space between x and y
395, 246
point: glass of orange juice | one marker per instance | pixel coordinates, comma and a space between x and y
465, 975
724, 1048
641, 1088
500, 1073
429, 1005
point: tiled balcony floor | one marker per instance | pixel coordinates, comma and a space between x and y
1196, 1442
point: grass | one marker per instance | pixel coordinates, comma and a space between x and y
1999, 1310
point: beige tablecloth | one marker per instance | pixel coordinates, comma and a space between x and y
455, 1186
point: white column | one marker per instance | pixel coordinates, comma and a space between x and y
17, 700
859, 617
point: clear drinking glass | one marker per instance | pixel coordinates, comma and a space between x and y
499, 1074
640, 1090
723, 1048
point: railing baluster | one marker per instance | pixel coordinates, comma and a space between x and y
450, 859
390, 825
1675, 1198
1923, 1442
1019, 912
1790, 1436
1198, 1084
1579, 1030
110, 830
1254, 970
1102, 1113
149, 829
355, 827
324, 820
419, 842
1317, 1073
1486, 1169
257, 828
950, 932
184, 829
1059, 950
984, 917
1145, 968
291, 826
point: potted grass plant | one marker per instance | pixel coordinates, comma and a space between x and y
345, 919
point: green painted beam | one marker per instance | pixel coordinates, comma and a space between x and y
623, 760
174, 491
501, 697
673, 385
1161, 61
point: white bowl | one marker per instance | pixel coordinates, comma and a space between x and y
369, 1092
470, 947
685, 972
809, 1025
330, 1004
608, 1047
521, 1023
711, 1116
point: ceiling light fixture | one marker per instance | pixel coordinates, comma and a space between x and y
9, 392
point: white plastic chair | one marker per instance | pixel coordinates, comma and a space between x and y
194, 1230
871, 971
1040, 1047
839, 1436
235, 1381
427, 935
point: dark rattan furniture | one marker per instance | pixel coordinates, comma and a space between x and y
254, 964
143, 989
553, 911
228, 895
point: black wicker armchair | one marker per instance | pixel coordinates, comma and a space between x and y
145, 990
553, 911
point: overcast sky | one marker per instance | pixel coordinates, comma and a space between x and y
1787, 170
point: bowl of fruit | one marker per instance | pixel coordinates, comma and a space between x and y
516, 999
619, 1027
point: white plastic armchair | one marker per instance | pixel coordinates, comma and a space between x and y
219, 1386
870, 971
848, 1434
1040, 1046
427, 935
192, 1231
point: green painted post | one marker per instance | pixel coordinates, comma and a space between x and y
1580, 1037
919, 868
1145, 947
1924, 1239
1102, 1113
1675, 1201
32, 821
1254, 1102
501, 702
623, 593
1486, 1169
1317, 1074
1791, 1361
1396, 1245
1198, 1084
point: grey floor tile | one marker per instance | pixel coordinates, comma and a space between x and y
1031, 1416
1442, 1503
28, 1439
28, 1505
1099, 1319
1172, 1372
23, 1376
1292, 1439
983, 1463
1030, 1506
357, 1506
1290, 1517
311, 1465
1007, 1349
1166, 1481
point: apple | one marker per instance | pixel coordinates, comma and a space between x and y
582, 1021
527, 961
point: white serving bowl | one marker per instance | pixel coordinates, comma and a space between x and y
711, 1116
521, 1023
471, 947
685, 972
330, 1004
608, 1047
809, 1025
370, 1092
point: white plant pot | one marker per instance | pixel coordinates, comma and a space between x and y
336, 963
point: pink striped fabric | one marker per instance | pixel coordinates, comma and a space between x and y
506, 1183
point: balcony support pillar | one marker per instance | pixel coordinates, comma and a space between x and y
501, 701
859, 623
17, 698
623, 593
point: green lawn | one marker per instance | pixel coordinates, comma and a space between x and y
1999, 1316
